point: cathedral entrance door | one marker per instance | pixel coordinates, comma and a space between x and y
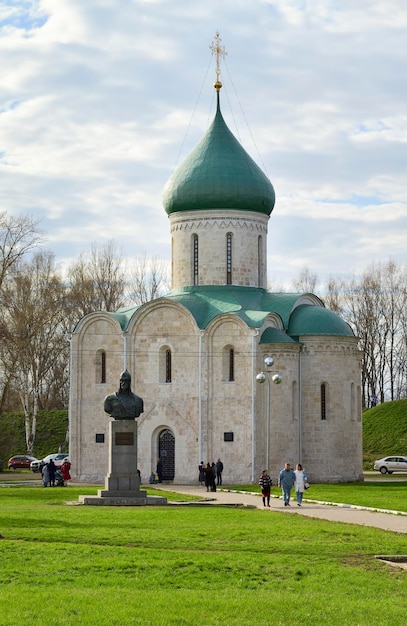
166, 451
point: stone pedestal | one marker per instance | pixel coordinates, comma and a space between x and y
122, 483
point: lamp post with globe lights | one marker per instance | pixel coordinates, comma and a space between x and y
261, 378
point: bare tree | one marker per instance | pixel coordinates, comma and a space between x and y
97, 281
374, 305
333, 297
34, 328
401, 372
393, 304
306, 281
18, 235
149, 278
7, 363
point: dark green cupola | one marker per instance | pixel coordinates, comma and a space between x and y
218, 174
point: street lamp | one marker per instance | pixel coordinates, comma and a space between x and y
261, 378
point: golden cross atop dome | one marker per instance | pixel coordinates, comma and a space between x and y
221, 53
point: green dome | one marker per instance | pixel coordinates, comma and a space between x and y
218, 174
314, 320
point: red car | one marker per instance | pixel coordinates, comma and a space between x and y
20, 461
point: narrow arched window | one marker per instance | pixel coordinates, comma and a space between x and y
172, 259
352, 402
228, 364
323, 401
229, 258
231, 364
195, 262
103, 367
100, 363
168, 366
165, 365
259, 261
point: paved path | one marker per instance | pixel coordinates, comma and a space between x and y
335, 513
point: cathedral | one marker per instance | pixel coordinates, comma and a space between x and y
198, 356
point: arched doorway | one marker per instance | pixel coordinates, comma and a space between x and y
166, 451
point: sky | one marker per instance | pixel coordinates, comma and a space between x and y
100, 100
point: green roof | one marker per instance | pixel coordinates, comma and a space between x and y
252, 305
123, 316
218, 174
273, 335
312, 320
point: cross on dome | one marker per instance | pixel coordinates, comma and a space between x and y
220, 53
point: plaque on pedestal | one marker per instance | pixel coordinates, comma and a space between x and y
122, 483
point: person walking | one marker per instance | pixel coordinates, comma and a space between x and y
45, 474
213, 485
300, 479
219, 470
208, 476
265, 483
65, 467
201, 473
51, 471
286, 479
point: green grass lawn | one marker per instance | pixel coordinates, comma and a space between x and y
63, 564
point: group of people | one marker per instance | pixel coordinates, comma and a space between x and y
51, 475
210, 474
287, 479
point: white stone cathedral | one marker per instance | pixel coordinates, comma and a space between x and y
194, 354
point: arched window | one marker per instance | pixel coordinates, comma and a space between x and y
231, 364
100, 367
259, 261
195, 261
323, 401
229, 258
168, 371
352, 402
103, 367
165, 365
228, 364
172, 259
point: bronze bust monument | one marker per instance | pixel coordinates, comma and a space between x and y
124, 404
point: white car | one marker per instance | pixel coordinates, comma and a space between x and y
391, 464
58, 458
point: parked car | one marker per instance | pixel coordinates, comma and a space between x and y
60, 458
57, 457
391, 464
21, 461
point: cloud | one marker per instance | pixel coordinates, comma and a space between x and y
100, 100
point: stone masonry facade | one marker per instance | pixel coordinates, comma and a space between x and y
200, 405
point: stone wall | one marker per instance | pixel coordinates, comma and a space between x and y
200, 404
249, 247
